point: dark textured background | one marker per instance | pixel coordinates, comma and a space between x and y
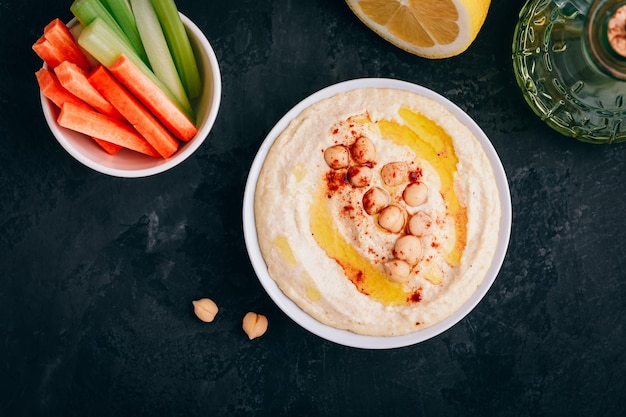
97, 274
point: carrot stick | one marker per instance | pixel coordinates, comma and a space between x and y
110, 148
47, 52
147, 92
54, 91
61, 39
138, 116
92, 123
74, 79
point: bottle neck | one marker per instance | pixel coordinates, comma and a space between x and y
605, 36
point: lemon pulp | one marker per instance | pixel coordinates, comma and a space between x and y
427, 28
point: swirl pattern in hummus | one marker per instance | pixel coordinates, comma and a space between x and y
332, 258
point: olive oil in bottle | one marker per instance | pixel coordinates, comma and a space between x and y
569, 58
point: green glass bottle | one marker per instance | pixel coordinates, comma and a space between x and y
569, 58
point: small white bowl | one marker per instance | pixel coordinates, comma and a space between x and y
344, 337
129, 164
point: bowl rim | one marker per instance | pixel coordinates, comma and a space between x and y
345, 337
50, 111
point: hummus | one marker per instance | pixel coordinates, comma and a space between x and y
377, 211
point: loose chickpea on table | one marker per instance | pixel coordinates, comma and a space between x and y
254, 325
205, 309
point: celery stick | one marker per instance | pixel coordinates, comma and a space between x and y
123, 14
180, 46
88, 10
156, 48
103, 44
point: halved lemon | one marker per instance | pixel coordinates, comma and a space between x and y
427, 28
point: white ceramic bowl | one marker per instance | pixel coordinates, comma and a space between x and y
131, 164
345, 337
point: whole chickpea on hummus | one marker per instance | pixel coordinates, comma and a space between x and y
377, 212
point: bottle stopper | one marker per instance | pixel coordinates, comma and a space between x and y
617, 31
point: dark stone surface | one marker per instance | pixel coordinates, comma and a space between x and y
97, 274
